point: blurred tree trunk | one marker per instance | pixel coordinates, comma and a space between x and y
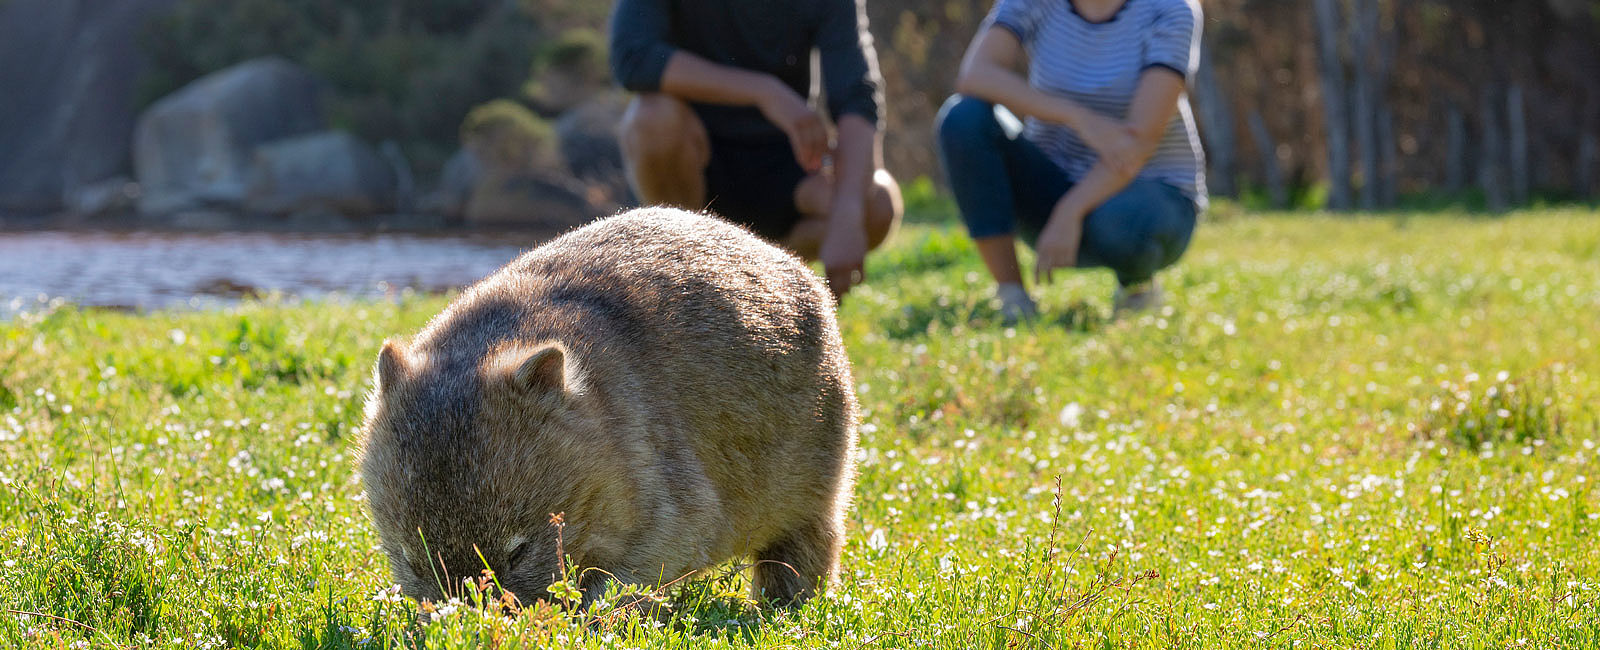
1216, 124
1584, 183
1588, 158
1277, 188
1491, 156
1363, 28
1455, 157
1517, 123
1388, 45
1330, 65
1389, 169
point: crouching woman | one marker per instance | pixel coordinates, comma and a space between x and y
1108, 170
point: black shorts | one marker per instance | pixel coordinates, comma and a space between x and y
753, 184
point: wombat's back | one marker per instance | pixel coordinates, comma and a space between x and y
695, 275
687, 299
699, 407
717, 349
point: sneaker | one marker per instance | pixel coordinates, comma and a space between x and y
1015, 304
1137, 298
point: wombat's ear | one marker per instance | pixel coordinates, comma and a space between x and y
543, 371
391, 364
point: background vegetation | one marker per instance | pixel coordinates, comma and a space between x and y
407, 71
1348, 103
1373, 432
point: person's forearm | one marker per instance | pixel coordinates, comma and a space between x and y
854, 161
1093, 189
693, 78
1000, 85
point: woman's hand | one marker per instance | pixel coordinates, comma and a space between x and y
1125, 146
1118, 145
1058, 244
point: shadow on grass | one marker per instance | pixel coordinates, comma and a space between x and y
940, 315
718, 607
1080, 316
929, 250
707, 607
1476, 412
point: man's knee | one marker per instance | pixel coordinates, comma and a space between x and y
883, 209
655, 123
964, 116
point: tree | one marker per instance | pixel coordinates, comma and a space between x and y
1336, 120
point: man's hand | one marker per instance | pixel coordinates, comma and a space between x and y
1058, 244
844, 249
694, 79
807, 133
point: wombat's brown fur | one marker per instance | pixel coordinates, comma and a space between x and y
671, 383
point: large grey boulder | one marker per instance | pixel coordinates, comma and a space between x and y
587, 138
68, 71
194, 148
405, 191
461, 174
326, 172
114, 196
533, 200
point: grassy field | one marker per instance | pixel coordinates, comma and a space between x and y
1342, 432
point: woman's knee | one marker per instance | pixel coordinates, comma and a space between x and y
964, 116
1141, 230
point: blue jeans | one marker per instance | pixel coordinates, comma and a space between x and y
1005, 185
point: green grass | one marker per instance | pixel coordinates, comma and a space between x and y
1342, 432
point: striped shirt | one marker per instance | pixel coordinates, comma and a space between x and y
1098, 66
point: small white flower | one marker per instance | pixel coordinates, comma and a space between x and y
878, 542
1071, 415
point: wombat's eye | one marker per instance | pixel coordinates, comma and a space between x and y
518, 554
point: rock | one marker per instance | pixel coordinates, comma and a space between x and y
117, 195
68, 72
203, 220
587, 138
411, 222
460, 176
194, 147
327, 172
536, 200
405, 191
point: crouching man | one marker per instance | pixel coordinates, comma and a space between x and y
722, 121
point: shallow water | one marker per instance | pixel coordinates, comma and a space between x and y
146, 271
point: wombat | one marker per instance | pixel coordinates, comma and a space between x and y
671, 383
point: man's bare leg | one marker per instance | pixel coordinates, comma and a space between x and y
665, 149
813, 198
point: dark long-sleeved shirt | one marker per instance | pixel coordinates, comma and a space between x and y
771, 36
